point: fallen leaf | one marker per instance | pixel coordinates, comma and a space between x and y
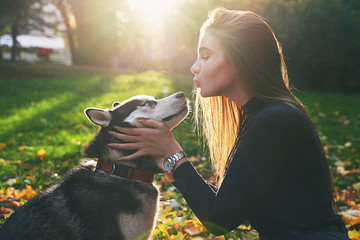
40, 154
5, 210
21, 148
192, 231
178, 236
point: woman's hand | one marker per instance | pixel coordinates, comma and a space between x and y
155, 139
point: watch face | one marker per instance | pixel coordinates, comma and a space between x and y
167, 166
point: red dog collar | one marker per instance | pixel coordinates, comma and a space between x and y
124, 171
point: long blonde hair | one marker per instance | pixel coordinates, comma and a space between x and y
251, 47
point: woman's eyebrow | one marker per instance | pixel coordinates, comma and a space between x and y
205, 49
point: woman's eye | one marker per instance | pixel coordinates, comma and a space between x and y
205, 57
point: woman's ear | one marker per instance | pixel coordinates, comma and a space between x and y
98, 116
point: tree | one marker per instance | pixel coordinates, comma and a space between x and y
95, 30
327, 44
65, 11
22, 17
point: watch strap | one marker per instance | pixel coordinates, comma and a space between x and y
175, 158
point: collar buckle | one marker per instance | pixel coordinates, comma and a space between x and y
124, 171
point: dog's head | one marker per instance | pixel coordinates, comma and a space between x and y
170, 110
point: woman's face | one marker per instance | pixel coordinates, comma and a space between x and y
213, 74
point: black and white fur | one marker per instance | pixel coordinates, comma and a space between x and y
90, 204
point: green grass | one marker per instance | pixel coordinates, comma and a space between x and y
47, 113
42, 108
337, 119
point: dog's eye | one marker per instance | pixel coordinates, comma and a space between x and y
150, 104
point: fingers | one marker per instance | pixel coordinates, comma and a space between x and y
124, 146
147, 123
129, 131
151, 123
131, 157
124, 137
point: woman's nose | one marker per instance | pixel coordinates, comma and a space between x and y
195, 68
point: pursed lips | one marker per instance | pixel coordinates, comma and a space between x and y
196, 82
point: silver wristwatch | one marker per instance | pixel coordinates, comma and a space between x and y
169, 162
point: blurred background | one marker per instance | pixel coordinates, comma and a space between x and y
321, 39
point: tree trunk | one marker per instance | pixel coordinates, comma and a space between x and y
14, 48
69, 31
95, 31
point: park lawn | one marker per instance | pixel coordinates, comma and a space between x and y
337, 120
43, 129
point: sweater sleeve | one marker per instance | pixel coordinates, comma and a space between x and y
258, 159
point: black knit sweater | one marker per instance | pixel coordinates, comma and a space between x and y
276, 179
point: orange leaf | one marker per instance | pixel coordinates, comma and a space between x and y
10, 192
21, 148
5, 210
176, 226
164, 180
219, 237
16, 204
188, 223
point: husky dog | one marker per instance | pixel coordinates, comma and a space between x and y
112, 200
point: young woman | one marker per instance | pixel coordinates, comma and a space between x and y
263, 145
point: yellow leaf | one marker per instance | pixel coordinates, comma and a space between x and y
193, 158
161, 228
354, 235
156, 232
12, 141
164, 212
2, 145
244, 227
40, 154
178, 236
199, 226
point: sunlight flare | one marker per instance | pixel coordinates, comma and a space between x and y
154, 10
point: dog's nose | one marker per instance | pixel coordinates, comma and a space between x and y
180, 95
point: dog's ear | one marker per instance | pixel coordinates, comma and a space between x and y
115, 104
98, 116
